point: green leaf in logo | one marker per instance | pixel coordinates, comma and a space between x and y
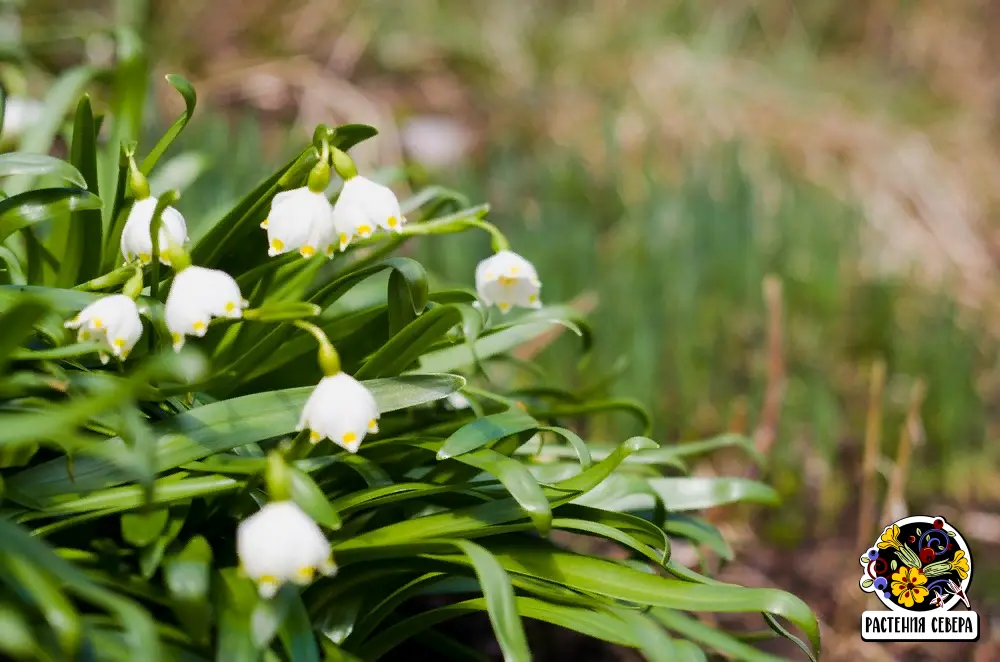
867, 583
894, 565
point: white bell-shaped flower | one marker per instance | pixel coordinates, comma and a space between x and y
280, 543
300, 220
136, 240
364, 206
113, 321
196, 296
507, 279
342, 410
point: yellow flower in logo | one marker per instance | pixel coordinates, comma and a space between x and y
960, 564
889, 538
908, 586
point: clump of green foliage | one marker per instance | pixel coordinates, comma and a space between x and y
125, 482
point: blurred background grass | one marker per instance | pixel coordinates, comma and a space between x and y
667, 157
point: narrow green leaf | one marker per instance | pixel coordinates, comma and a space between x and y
708, 636
26, 209
186, 91
621, 582
17, 323
142, 528
187, 576
484, 431
307, 494
215, 428
406, 346
296, 633
82, 235
655, 644
518, 481
56, 608
23, 163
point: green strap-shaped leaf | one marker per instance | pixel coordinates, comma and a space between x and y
541, 559
585, 621
24, 163
186, 91
79, 240
499, 341
484, 431
142, 641
708, 636
206, 430
26, 209
406, 346
308, 495
55, 607
17, 323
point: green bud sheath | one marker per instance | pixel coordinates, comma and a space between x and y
343, 164
279, 485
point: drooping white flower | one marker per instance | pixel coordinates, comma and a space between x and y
136, 240
364, 206
340, 409
197, 295
507, 279
300, 220
280, 543
113, 321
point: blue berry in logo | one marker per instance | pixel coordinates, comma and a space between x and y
872, 554
888, 595
880, 583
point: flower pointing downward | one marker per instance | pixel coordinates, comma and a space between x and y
507, 279
340, 409
136, 240
364, 206
197, 295
281, 544
112, 320
300, 220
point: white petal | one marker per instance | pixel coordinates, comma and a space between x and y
379, 203
279, 542
136, 240
507, 279
292, 219
341, 409
112, 320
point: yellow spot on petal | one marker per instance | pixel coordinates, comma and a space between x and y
349, 438
514, 270
119, 343
330, 249
230, 307
305, 575
145, 258
344, 239
504, 307
198, 326
506, 281
307, 251
373, 425
393, 221
264, 224
85, 335
533, 298
178, 338
277, 244
314, 436
96, 323
364, 230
